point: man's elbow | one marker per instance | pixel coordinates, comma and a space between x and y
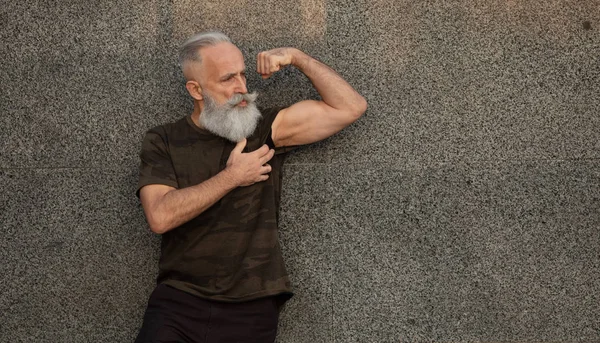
358, 109
157, 224
158, 229
362, 106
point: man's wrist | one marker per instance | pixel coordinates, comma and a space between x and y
228, 178
299, 58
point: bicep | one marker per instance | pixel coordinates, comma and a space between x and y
307, 122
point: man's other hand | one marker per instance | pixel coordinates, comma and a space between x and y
249, 168
271, 61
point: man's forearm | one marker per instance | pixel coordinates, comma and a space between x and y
181, 205
332, 88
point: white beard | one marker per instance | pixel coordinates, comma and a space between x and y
229, 120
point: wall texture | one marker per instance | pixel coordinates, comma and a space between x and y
463, 206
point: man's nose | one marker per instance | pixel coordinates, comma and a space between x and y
241, 86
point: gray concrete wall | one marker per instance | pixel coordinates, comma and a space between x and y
463, 206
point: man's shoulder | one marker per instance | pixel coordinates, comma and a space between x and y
170, 129
173, 134
270, 111
268, 114
166, 127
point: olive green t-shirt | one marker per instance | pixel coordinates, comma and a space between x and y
231, 251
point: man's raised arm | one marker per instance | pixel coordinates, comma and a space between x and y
310, 121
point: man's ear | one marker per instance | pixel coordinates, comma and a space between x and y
194, 89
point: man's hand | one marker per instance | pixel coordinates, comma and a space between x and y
249, 168
271, 61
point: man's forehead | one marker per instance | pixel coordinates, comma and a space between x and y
230, 72
224, 57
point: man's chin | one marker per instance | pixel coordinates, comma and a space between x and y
234, 123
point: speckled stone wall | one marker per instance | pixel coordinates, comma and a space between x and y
464, 206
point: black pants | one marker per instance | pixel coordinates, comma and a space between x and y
176, 316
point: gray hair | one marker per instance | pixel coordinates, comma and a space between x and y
190, 50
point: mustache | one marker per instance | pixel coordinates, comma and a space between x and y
239, 97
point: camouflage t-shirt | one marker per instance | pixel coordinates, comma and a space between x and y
230, 252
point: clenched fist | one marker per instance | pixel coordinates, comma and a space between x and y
271, 61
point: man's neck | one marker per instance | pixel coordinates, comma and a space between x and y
196, 113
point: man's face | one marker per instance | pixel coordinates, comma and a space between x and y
227, 108
223, 72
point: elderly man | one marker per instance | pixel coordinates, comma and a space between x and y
210, 185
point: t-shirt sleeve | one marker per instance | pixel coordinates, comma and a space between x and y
156, 166
269, 116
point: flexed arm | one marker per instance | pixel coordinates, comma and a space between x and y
310, 121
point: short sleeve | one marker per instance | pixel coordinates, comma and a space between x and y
156, 166
266, 134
